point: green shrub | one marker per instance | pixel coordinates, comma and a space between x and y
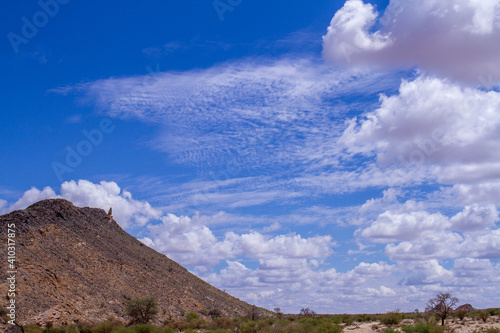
483, 315
105, 327
389, 330
369, 318
249, 326
336, 319
56, 330
437, 329
461, 314
419, 328
124, 330
347, 319
192, 315
143, 328
494, 312
141, 310
391, 318
33, 329
327, 327
168, 330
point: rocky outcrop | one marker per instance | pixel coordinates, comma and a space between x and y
465, 307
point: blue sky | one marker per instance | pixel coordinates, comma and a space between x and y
339, 155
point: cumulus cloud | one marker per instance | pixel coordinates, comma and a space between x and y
486, 192
475, 217
408, 226
421, 235
190, 241
30, 197
433, 125
457, 38
468, 267
281, 282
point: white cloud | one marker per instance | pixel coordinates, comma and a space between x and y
431, 245
468, 267
30, 197
409, 226
484, 244
420, 235
374, 269
428, 272
485, 192
433, 127
381, 292
456, 38
475, 217
3, 205
252, 113
189, 241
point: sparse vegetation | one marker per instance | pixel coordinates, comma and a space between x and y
305, 322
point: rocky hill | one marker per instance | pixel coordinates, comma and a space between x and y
77, 264
465, 307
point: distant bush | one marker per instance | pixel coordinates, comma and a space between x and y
389, 330
391, 318
336, 319
215, 313
461, 314
347, 319
59, 330
306, 312
369, 318
419, 328
437, 329
144, 328
105, 327
494, 312
253, 313
483, 315
33, 329
192, 315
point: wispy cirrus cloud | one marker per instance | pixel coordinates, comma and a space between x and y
258, 113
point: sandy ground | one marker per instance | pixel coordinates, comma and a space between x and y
466, 326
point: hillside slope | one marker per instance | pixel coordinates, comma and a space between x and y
76, 264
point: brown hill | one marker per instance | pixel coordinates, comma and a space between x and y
465, 307
76, 264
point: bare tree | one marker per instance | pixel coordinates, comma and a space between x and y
442, 305
306, 312
253, 313
279, 314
